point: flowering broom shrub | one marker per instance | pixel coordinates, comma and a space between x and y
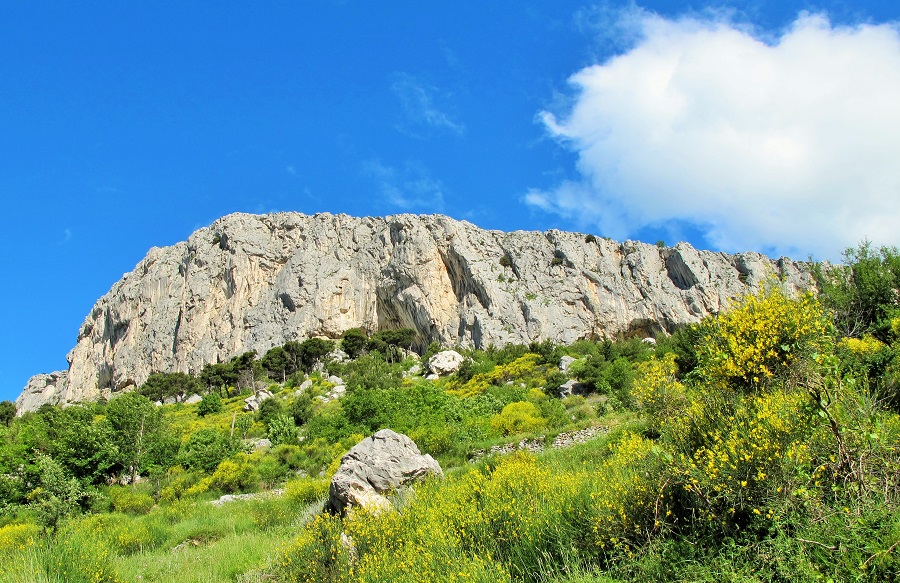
747, 347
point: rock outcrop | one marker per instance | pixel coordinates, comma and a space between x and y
251, 282
43, 388
445, 362
376, 466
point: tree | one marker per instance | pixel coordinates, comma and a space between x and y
135, 421
862, 294
7, 412
354, 342
310, 352
278, 363
244, 368
391, 342
211, 403
57, 496
218, 376
161, 385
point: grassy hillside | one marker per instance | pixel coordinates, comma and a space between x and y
761, 445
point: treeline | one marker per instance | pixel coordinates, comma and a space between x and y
278, 364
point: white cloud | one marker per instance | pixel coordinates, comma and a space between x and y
421, 112
410, 188
788, 146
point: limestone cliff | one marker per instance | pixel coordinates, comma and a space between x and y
251, 282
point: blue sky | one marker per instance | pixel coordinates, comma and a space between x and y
736, 126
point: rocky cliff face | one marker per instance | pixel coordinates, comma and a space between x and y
251, 282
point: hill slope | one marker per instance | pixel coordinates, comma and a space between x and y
250, 282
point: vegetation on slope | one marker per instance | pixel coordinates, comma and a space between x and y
761, 445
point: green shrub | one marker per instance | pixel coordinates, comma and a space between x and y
130, 500
282, 429
236, 475
205, 449
211, 403
305, 491
521, 417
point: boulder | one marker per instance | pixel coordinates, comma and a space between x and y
375, 466
565, 362
414, 370
572, 387
445, 362
193, 400
252, 402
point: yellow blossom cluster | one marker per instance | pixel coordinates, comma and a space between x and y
760, 337
746, 455
520, 368
629, 505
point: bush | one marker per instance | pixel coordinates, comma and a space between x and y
205, 449
760, 338
305, 491
521, 417
282, 429
236, 475
130, 500
210, 403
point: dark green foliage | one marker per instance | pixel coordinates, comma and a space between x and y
268, 410
506, 260
862, 294
301, 408
392, 343
307, 354
7, 412
549, 351
683, 342
558, 257
354, 342
371, 372
590, 239
205, 449
278, 364
218, 376
160, 386
211, 403
245, 368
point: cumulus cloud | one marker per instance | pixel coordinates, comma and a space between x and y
410, 188
785, 145
421, 111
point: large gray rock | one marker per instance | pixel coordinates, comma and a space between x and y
375, 466
251, 282
445, 362
42, 388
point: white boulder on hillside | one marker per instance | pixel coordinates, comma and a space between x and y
445, 362
375, 466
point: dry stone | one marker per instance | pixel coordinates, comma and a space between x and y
375, 466
445, 362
